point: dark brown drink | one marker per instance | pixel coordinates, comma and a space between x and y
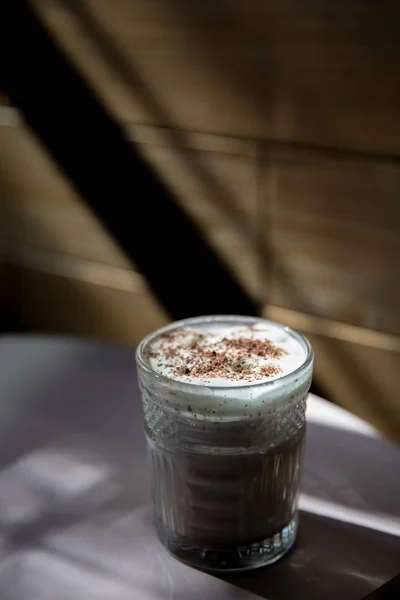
223, 501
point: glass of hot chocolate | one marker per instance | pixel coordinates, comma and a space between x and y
224, 403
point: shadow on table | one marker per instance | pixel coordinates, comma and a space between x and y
355, 475
331, 560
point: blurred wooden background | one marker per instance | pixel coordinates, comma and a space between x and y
277, 124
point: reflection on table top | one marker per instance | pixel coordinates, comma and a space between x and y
75, 514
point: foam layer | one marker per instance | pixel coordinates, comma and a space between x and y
221, 355
268, 369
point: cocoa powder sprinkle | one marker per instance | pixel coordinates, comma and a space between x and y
191, 354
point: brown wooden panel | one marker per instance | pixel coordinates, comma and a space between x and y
314, 72
358, 369
41, 207
361, 379
331, 235
80, 307
215, 185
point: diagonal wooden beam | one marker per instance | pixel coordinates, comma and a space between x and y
183, 271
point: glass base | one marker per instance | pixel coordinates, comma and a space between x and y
241, 558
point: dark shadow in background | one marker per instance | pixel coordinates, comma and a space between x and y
183, 271
10, 320
176, 138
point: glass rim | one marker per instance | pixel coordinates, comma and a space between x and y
218, 318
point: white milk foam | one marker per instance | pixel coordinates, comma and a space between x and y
290, 360
224, 399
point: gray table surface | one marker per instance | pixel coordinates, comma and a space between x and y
75, 512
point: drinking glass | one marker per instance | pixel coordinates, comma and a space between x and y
225, 461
